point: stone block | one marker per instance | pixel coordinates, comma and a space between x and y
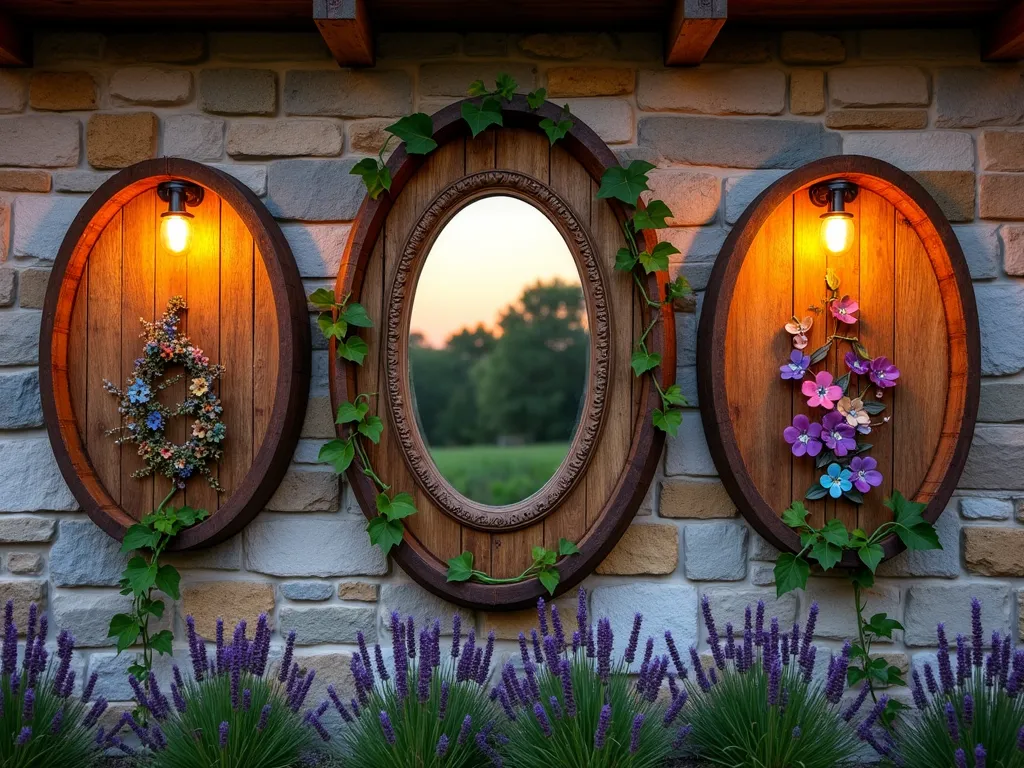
348, 93
982, 249
24, 593
741, 45
362, 591
990, 551
45, 141
312, 591
161, 47
79, 181
120, 140
1002, 400
665, 608
589, 81
695, 499
40, 224
761, 549
237, 91
808, 47
1002, 196
740, 191
1002, 150
1013, 249
226, 556
314, 190
25, 529
454, 79
307, 490
196, 137
329, 624
253, 176
62, 47
807, 92
985, 508
85, 556
952, 190
37, 485
728, 605
13, 91
506, 625
152, 86
643, 549
88, 616
919, 44
367, 136
611, 119
331, 669
939, 151
929, 604
566, 46
752, 143
112, 675
485, 44
271, 544
837, 619
687, 453
713, 92
692, 196
969, 97
762, 575
996, 460
62, 91
878, 87
268, 46
284, 138
8, 287
410, 599
1001, 315
715, 552
318, 249
877, 119
25, 563
319, 420
943, 562
232, 601
19, 338
24, 181
20, 406
417, 46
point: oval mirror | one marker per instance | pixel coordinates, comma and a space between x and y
499, 350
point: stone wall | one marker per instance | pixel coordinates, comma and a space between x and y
275, 111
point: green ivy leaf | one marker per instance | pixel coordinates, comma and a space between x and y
667, 421
795, 515
673, 395
167, 581
417, 131
139, 536
874, 407
652, 216
557, 130
678, 288
835, 532
140, 673
330, 327
549, 577
863, 578
338, 453
791, 573
816, 492
894, 676
843, 382
891, 712
819, 354
121, 623
854, 675
643, 361
881, 625
919, 537
543, 556
827, 555
624, 260
385, 533
402, 505
371, 428
154, 608
536, 98
376, 176
505, 86
188, 516
625, 184
566, 547
479, 116
905, 512
322, 299
871, 555
477, 88
461, 568
141, 575
353, 349
657, 259
162, 642
349, 412
355, 314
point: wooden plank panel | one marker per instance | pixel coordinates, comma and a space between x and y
78, 361
877, 297
694, 27
266, 337
105, 358
236, 346
480, 152
137, 280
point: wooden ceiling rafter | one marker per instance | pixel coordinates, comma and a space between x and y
14, 50
345, 26
1005, 40
694, 27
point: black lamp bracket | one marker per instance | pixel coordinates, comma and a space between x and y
833, 193
176, 192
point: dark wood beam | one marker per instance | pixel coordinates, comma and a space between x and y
1005, 40
14, 51
695, 25
345, 26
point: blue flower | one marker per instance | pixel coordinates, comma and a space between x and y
138, 392
837, 481
155, 420
170, 330
797, 365
185, 472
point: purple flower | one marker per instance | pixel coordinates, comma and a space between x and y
960, 758
774, 678
542, 719
389, 730
681, 736
410, 637
538, 657
674, 653
863, 473
634, 733
456, 634
286, 660
917, 691
634, 638
94, 714
803, 436
864, 729
837, 434
979, 756
24, 736
581, 611
602, 726
951, 722
836, 680
467, 723
797, 365
945, 669
673, 709
929, 679
224, 734
556, 625
604, 649
542, 617
759, 624
857, 364
883, 372
977, 632
856, 704
442, 746
506, 705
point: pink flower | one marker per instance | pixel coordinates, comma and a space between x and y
798, 329
821, 392
843, 310
800, 341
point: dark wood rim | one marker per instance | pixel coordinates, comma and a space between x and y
647, 442
914, 203
292, 389
449, 202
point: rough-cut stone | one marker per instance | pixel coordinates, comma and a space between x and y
367, 136
24, 181
728, 605
981, 247
362, 591
40, 224
84, 555
713, 91
485, 44
413, 600
112, 675
306, 490
643, 549
348, 93
1002, 150
992, 551
417, 46
19, 338
928, 604
753, 143
567, 45
837, 620
1013, 249
284, 138
762, 575
37, 485
196, 137
149, 85
271, 544
952, 190
740, 191
665, 607
253, 176
120, 140
226, 556
8, 287
697, 499
880, 119
317, 247
943, 562
984, 508
940, 151
333, 624
919, 44
1002, 196
761, 549
319, 421
24, 593
313, 591
46, 141
1002, 400
238, 91
161, 47
807, 92
506, 625
692, 196
268, 46
741, 45
13, 91
715, 552
878, 87
454, 79
25, 563
688, 453
1001, 314
996, 460
314, 190
89, 616
968, 97
62, 91
79, 181
807, 47
331, 669
611, 119
20, 406
206, 601
24, 529
589, 81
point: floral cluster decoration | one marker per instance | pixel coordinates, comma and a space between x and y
834, 440
146, 418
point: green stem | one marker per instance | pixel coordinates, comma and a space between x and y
368, 468
863, 640
639, 284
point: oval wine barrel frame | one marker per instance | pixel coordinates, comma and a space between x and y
271, 460
959, 414
646, 442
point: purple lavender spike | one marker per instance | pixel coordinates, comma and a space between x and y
774, 677
24, 736
634, 638
854, 708
442, 707
604, 649
602, 726
410, 637
542, 617
945, 668
556, 626
876, 711
506, 705
678, 702
960, 758
977, 633
836, 681
524, 652
338, 705
95, 712
542, 719
456, 634
467, 724
730, 642
442, 746
917, 691
698, 670
485, 664
286, 660
224, 728
382, 670
567, 690
581, 611
538, 656
759, 624
681, 736
963, 660
220, 645
979, 756
634, 733
179, 700
674, 653
929, 679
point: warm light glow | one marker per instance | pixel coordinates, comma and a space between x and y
176, 232
837, 232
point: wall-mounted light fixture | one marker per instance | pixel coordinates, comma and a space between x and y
175, 227
837, 222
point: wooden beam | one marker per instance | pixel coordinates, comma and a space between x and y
345, 26
1006, 37
14, 51
695, 25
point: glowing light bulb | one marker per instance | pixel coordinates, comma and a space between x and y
176, 232
837, 231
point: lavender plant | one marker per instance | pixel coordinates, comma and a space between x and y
758, 706
427, 710
231, 713
574, 707
42, 725
971, 708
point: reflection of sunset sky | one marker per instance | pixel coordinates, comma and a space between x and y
481, 262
